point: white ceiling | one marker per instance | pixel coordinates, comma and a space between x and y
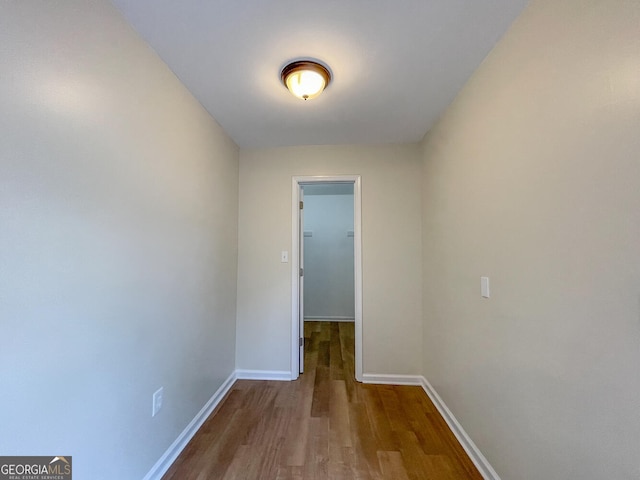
396, 64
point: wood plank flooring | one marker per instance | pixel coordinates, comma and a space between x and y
324, 426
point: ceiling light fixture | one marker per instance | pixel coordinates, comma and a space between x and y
305, 79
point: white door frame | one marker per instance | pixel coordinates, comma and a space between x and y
296, 334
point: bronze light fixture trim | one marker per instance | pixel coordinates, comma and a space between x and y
305, 79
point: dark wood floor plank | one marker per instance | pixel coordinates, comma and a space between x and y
321, 392
394, 410
324, 426
392, 465
380, 425
336, 363
339, 423
324, 350
364, 441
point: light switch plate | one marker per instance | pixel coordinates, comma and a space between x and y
157, 401
484, 287
284, 257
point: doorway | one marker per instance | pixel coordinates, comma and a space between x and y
297, 274
328, 265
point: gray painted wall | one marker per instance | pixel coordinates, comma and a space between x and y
118, 242
532, 178
391, 243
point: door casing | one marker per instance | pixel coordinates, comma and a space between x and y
296, 233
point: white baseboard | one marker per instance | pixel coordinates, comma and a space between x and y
313, 318
165, 461
476, 456
263, 375
385, 379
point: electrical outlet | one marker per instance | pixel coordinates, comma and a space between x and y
157, 401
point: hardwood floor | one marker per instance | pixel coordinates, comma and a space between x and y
325, 425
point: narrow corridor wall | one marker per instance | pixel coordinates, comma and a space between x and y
532, 178
118, 242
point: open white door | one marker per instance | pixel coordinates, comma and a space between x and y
301, 277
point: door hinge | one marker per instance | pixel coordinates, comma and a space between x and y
302, 272
301, 205
301, 341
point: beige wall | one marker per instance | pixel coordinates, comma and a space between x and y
532, 178
118, 242
390, 250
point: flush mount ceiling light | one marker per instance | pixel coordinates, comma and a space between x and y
305, 79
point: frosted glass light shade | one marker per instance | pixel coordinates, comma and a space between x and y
305, 79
